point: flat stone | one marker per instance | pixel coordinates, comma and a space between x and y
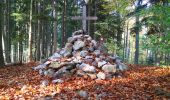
86, 36
47, 62
80, 73
89, 57
88, 61
55, 56
109, 68
83, 94
41, 66
41, 71
89, 68
89, 38
79, 32
101, 63
44, 83
49, 73
122, 67
57, 81
92, 76
97, 59
101, 75
55, 65
97, 52
78, 44
94, 63
70, 40
83, 53
60, 72
94, 43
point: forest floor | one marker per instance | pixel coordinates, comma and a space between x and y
137, 83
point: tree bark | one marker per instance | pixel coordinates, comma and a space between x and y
64, 24
55, 26
1, 50
30, 57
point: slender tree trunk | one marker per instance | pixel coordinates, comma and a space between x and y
38, 33
30, 56
6, 33
89, 11
64, 23
137, 41
1, 50
55, 26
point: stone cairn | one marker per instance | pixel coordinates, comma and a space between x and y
82, 56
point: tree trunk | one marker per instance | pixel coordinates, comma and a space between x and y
137, 35
38, 34
1, 50
30, 57
64, 24
6, 33
55, 26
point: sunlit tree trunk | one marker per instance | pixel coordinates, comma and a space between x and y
30, 56
6, 32
1, 50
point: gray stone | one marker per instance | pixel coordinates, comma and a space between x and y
94, 43
78, 37
97, 59
83, 94
91, 48
41, 66
94, 63
81, 66
109, 68
68, 50
70, 40
80, 73
89, 38
102, 57
41, 71
49, 73
79, 32
47, 62
55, 65
92, 76
101, 75
88, 61
121, 66
97, 52
89, 57
89, 68
101, 63
55, 56
86, 36
57, 81
83, 53
44, 83
78, 44
77, 60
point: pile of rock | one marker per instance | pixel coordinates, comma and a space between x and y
82, 56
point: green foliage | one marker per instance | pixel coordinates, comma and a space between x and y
111, 45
